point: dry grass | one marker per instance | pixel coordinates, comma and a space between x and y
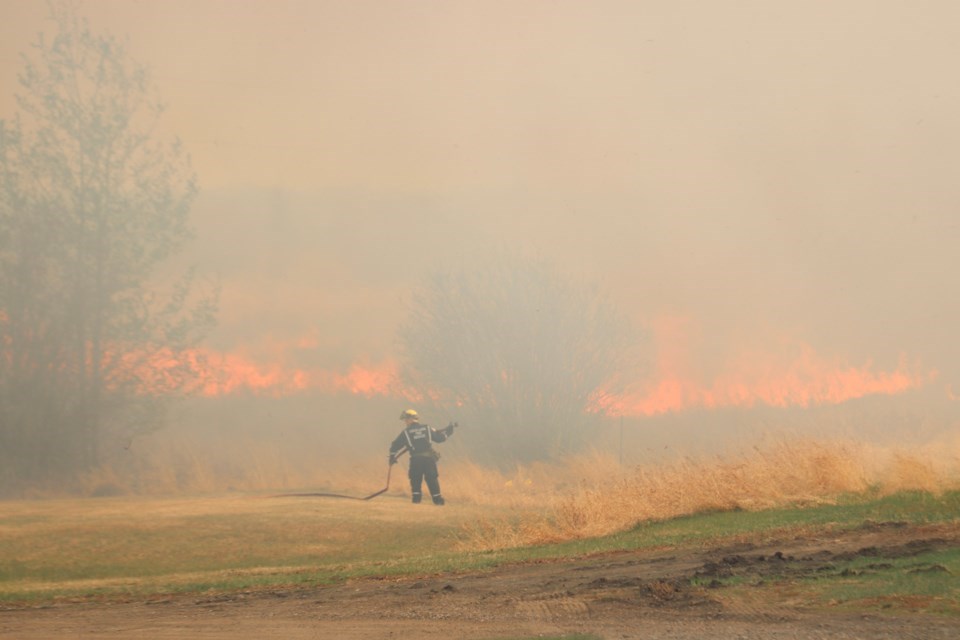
59, 547
606, 499
578, 497
150, 543
169, 467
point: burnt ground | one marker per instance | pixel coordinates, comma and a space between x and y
668, 594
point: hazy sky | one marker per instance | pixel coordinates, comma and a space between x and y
772, 175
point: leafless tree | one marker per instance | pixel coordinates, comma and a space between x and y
519, 351
91, 202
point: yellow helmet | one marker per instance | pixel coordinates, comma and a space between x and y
409, 414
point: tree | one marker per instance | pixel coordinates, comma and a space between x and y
520, 351
91, 203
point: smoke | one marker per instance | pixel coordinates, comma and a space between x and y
770, 185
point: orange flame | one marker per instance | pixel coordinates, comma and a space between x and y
219, 374
801, 379
804, 379
807, 382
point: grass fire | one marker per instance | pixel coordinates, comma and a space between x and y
479, 320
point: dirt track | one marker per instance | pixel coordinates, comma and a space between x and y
621, 595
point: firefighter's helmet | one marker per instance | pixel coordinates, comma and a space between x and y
409, 414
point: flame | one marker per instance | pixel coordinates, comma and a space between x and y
786, 374
809, 381
802, 378
219, 374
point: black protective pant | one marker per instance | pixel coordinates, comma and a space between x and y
424, 468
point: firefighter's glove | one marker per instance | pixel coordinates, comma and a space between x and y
392, 458
450, 428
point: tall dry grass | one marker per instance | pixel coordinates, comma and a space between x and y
591, 496
581, 496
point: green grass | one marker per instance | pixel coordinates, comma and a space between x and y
850, 512
926, 582
923, 582
121, 547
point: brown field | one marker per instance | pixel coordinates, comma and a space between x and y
587, 495
629, 594
177, 466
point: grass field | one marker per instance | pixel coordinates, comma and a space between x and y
140, 546
120, 547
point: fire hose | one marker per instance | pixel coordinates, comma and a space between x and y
339, 495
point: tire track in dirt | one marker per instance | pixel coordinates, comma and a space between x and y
553, 607
629, 594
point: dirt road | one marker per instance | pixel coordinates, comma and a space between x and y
645, 595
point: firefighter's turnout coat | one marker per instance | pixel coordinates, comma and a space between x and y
418, 439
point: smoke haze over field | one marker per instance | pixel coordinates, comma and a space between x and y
768, 187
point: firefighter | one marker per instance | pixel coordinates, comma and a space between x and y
418, 439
